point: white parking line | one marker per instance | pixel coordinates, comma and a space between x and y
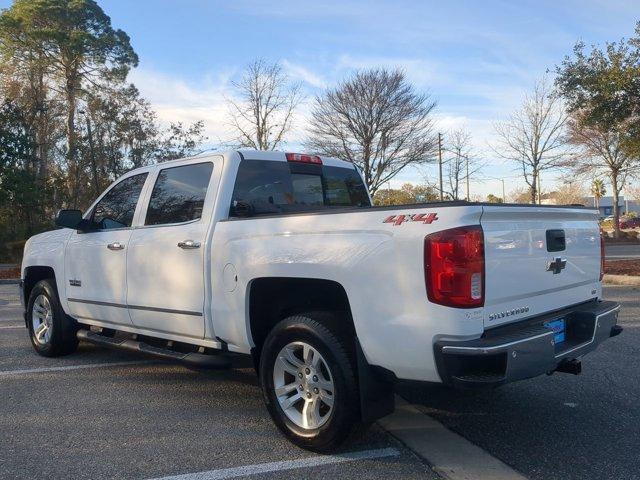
235, 472
12, 326
7, 373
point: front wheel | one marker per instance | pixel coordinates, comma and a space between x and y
308, 382
52, 332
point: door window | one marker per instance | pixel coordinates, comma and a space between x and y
116, 208
179, 193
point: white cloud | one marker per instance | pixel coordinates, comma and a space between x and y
422, 73
298, 72
175, 100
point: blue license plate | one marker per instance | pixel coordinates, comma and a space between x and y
558, 329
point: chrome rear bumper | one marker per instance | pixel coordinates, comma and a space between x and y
526, 349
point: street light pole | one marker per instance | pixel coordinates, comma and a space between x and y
440, 163
539, 191
504, 197
467, 158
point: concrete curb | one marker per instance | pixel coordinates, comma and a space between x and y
450, 455
9, 281
621, 280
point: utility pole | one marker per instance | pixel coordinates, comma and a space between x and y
539, 191
440, 164
467, 158
504, 197
626, 202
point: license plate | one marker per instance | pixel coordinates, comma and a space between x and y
558, 329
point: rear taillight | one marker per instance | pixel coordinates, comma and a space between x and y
303, 158
454, 267
601, 257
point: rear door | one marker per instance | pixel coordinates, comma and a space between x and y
538, 259
167, 254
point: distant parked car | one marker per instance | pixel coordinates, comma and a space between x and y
630, 223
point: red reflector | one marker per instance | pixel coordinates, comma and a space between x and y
454, 267
304, 158
601, 257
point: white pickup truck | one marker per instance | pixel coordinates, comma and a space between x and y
283, 257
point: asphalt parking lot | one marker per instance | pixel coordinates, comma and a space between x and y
107, 414
140, 419
622, 251
562, 426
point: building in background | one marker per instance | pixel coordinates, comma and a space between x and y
606, 205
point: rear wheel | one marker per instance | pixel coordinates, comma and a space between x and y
308, 382
52, 332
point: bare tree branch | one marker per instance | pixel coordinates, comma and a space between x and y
263, 113
534, 136
460, 163
378, 121
603, 152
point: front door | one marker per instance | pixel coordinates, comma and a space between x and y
165, 260
95, 261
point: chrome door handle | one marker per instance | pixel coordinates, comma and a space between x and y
115, 246
188, 244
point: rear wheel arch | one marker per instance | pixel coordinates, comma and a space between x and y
272, 299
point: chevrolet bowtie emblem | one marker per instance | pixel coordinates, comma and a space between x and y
557, 265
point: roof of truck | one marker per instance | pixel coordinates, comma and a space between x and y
271, 155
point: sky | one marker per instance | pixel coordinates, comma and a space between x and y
476, 59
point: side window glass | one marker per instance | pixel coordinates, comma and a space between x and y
179, 193
116, 208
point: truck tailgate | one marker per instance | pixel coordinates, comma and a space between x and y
528, 270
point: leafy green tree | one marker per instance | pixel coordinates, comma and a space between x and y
598, 190
76, 39
405, 195
602, 92
70, 124
602, 83
181, 141
491, 198
22, 196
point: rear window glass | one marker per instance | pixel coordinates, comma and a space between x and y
270, 187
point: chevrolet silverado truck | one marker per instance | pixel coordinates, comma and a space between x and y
282, 257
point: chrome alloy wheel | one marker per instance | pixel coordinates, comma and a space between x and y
303, 385
42, 319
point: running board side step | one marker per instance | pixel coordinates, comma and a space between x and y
192, 359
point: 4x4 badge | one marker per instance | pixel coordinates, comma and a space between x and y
415, 217
557, 265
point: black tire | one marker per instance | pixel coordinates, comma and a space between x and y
62, 338
334, 348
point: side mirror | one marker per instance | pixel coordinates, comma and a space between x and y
68, 218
